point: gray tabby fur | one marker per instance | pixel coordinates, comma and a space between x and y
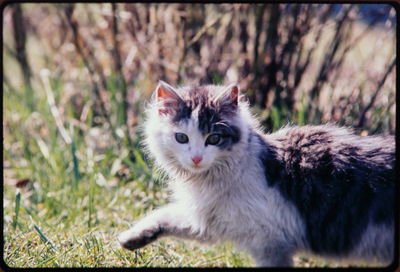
273, 195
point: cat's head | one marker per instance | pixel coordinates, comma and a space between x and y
193, 129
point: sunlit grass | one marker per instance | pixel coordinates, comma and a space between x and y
77, 199
79, 196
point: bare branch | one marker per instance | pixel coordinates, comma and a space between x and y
79, 47
361, 119
203, 30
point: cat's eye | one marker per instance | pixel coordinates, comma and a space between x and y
181, 138
213, 139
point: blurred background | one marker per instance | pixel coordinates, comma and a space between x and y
77, 77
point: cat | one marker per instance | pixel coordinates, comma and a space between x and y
314, 189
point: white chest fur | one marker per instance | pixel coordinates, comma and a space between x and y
239, 207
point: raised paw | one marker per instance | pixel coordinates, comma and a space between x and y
132, 239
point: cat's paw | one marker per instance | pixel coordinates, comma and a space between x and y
133, 239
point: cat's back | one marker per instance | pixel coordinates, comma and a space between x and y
326, 147
340, 183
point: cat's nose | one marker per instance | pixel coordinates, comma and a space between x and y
197, 159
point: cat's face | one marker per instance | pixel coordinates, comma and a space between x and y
195, 128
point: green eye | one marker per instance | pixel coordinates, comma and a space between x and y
213, 139
181, 138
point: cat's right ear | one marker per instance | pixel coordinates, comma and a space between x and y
167, 98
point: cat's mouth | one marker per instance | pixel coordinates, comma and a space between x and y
195, 168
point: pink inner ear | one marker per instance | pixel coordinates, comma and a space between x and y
168, 101
164, 94
234, 92
233, 95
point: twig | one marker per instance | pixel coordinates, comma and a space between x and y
334, 45
44, 74
184, 48
361, 120
301, 68
286, 59
79, 47
118, 64
139, 48
351, 45
20, 52
20, 42
203, 30
327, 65
259, 13
216, 65
270, 46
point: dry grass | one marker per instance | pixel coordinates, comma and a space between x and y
81, 193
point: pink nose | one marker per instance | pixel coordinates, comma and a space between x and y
197, 159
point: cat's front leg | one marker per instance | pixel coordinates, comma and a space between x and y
166, 221
142, 233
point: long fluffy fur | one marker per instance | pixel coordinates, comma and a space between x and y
275, 195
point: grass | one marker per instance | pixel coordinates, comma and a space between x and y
74, 198
80, 195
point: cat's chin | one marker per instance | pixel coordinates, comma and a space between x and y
196, 170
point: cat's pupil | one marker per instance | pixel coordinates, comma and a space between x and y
181, 138
213, 139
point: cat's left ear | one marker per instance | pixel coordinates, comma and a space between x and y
229, 96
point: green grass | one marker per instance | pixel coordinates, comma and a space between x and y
82, 194
79, 198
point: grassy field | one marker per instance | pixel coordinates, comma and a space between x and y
70, 186
64, 203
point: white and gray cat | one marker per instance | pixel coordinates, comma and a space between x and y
318, 189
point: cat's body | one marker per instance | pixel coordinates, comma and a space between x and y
318, 189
